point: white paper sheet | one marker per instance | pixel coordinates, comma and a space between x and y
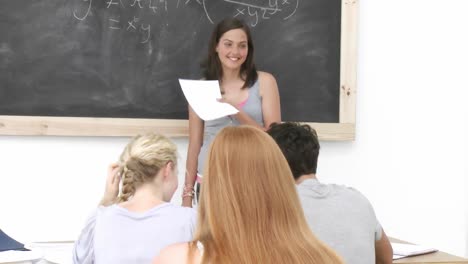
401, 250
202, 97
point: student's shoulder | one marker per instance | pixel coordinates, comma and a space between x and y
266, 77
173, 254
105, 210
181, 210
267, 83
352, 194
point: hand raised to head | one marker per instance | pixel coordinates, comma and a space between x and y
112, 185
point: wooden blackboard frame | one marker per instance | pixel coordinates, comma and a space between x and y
90, 126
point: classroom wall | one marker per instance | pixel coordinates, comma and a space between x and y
411, 152
409, 157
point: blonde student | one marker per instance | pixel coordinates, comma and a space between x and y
136, 225
249, 210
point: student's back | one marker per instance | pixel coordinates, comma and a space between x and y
143, 221
115, 235
342, 218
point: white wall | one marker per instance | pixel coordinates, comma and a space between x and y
409, 157
411, 153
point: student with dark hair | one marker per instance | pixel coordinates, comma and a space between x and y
254, 93
340, 216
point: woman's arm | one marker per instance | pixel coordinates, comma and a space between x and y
83, 249
271, 109
383, 250
196, 129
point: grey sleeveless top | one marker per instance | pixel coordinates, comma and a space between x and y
253, 107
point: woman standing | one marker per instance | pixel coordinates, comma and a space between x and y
254, 93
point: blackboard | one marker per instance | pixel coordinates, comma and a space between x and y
122, 58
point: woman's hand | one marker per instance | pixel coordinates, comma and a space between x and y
112, 185
226, 101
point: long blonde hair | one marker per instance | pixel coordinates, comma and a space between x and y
142, 159
249, 210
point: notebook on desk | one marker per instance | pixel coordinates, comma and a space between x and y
401, 250
12, 251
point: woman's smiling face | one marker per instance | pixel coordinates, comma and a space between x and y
233, 49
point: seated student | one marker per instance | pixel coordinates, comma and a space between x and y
142, 221
340, 216
249, 212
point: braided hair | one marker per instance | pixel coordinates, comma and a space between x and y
141, 161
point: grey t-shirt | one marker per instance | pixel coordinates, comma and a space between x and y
342, 218
115, 235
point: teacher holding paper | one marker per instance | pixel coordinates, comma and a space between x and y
254, 93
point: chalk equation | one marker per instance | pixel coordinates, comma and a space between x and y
256, 11
252, 11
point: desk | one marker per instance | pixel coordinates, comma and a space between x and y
59, 252
436, 257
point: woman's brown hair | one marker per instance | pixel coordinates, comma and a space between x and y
212, 69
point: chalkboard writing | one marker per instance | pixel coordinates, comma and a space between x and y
122, 58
